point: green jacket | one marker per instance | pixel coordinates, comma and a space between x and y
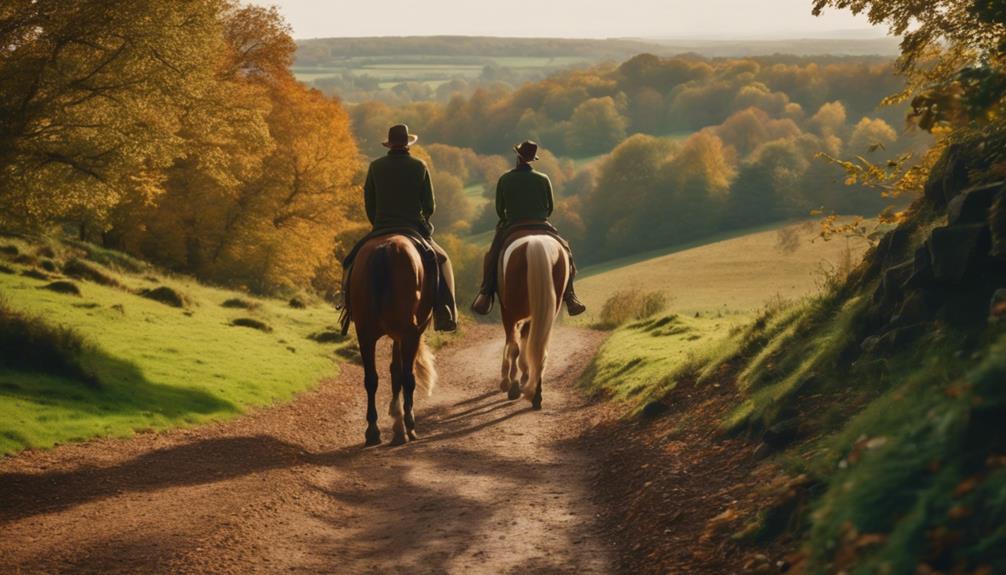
523, 194
398, 192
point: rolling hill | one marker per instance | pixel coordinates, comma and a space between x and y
737, 273
138, 348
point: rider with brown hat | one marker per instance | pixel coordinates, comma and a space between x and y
524, 200
398, 195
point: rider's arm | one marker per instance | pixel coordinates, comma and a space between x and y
500, 202
370, 196
428, 201
549, 197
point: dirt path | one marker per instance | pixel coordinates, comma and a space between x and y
490, 487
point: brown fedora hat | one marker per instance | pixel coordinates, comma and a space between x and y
399, 136
527, 150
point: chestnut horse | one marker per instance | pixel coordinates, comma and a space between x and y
534, 270
389, 294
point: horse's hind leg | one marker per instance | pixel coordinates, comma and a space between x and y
395, 410
511, 351
410, 348
525, 374
367, 345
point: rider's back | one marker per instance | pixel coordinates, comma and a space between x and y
402, 193
524, 194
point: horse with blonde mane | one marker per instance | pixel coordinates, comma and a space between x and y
534, 271
391, 295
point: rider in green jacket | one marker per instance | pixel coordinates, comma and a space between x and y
524, 199
398, 195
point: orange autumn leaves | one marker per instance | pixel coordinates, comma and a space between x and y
201, 152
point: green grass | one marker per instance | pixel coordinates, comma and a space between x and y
646, 359
917, 466
158, 366
714, 292
729, 273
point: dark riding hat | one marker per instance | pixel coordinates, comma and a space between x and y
399, 137
527, 150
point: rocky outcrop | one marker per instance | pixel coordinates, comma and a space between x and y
958, 266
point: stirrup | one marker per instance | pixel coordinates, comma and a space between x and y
443, 319
485, 309
574, 306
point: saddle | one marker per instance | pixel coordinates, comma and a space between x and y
520, 230
431, 267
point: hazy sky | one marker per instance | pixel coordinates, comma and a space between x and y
563, 18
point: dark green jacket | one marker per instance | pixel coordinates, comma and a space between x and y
398, 192
523, 194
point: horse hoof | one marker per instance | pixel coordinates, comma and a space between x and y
373, 437
514, 391
536, 405
412, 435
398, 440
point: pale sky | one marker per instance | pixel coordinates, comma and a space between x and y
712, 19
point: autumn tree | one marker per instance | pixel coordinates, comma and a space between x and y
91, 96
953, 55
595, 126
265, 187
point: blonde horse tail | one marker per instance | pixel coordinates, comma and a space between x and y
425, 370
542, 302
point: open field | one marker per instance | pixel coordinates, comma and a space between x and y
714, 291
735, 274
155, 365
431, 69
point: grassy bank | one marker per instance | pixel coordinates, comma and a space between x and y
153, 365
877, 405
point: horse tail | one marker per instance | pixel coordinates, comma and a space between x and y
380, 277
542, 302
425, 370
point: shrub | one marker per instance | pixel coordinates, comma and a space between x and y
238, 303
109, 258
251, 323
64, 287
165, 295
28, 342
82, 270
328, 336
627, 305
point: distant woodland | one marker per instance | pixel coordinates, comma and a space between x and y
182, 135
657, 151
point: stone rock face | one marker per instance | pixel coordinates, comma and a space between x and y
997, 223
894, 280
915, 309
922, 269
949, 177
954, 250
890, 249
955, 174
972, 206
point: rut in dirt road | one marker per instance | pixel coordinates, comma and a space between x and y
490, 486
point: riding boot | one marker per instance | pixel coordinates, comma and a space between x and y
573, 304
483, 303
445, 311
